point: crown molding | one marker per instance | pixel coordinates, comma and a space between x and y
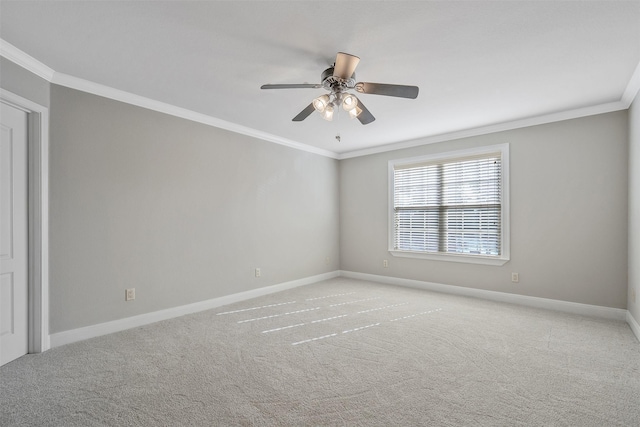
27, 62
162, 107
632, 88
31, 64
498, 127
15, 55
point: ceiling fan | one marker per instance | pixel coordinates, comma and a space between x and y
338, 80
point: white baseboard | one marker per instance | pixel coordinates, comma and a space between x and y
545, 303
74, 335
633, 324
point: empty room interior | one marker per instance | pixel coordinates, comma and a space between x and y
320, 213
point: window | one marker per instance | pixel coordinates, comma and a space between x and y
451, 206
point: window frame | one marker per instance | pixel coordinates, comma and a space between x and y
505, 254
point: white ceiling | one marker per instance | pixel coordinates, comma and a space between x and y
477, 63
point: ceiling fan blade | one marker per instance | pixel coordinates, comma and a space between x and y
399, 91
304, 113
345, 65
365, 117
292, 86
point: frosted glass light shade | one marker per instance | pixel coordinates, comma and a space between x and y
355, 112
321, 102
327, 114
349, 102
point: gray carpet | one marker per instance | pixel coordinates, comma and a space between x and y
340, 352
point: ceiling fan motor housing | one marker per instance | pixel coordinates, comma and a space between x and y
335, 84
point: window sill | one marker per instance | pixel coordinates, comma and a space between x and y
468, 259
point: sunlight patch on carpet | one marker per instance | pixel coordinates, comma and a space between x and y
353, 302
278, 315
381, 308
414, 315
283, 328
330, 296
255, 308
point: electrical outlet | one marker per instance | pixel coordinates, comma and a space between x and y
633, 295
258, 272
130, 294
327, 260
515, 277
385, 263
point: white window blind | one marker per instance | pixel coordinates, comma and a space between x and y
449, 206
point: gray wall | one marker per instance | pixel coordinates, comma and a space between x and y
634, 209
24, 83
568, 214
184, 212
181, 211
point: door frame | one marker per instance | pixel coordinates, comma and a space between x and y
38, 218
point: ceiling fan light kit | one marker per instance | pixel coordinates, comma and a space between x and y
338, 80
325, 105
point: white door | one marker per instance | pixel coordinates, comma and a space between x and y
13, 234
